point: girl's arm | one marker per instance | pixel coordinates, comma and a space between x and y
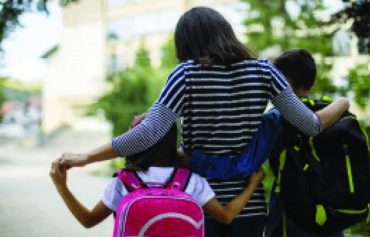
87, 218
227, 212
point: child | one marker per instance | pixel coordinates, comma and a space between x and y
155, 165
299, 68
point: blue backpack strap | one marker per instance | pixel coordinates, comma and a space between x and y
131, 180
179, 179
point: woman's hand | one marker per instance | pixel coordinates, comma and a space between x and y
332, 113
69, 160
58, 174
104, 152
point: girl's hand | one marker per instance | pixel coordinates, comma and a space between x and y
58, 174
69, 160
257, 177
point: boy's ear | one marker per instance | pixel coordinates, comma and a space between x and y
301, 91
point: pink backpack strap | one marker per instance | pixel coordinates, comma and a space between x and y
180, 179
131, 180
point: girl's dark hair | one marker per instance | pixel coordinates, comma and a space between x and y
202, 34
162, 154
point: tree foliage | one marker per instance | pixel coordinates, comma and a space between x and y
271, 23
359, 83
168, 57
11, 10
131, 92
358, 13
2, 95
286, 24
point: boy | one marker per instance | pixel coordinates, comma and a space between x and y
298, 67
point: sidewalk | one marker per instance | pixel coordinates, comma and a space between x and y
30, 205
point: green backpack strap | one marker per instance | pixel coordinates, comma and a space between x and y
281, 167
284, 225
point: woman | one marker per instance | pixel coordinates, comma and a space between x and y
220, 90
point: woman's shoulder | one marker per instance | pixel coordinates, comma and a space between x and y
191, 65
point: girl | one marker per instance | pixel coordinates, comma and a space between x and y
155, 165
220, 90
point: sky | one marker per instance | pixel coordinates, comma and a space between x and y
41, 32
25, 45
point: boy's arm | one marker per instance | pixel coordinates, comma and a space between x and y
259, 149
88, 218
227, 212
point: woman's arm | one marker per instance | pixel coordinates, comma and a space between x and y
157, 123
226, 213
104, 152
295, 112
87, 218
332, 113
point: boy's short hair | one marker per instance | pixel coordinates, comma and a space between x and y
299, 68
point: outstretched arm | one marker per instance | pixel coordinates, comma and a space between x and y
87, 218
227, 212
157, 123
332, 113
296, 113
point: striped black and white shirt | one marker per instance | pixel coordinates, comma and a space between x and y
221, 109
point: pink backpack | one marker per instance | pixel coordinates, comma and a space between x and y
158, 211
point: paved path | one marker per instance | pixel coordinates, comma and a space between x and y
29, 203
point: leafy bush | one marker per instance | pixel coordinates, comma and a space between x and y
132, 91
359, 82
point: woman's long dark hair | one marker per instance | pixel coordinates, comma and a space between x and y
162, 154
202, 34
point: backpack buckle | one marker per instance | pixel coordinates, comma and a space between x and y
175, 185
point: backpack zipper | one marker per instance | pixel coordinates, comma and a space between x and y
349, 169
281, 167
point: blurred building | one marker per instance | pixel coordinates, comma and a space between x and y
144, 23
76, 67
348, 52
100, 36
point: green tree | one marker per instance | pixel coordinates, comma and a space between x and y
359, 83
286, 24
2, 95
11, 10
168, 57
356, 13
128, 95
132, 91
